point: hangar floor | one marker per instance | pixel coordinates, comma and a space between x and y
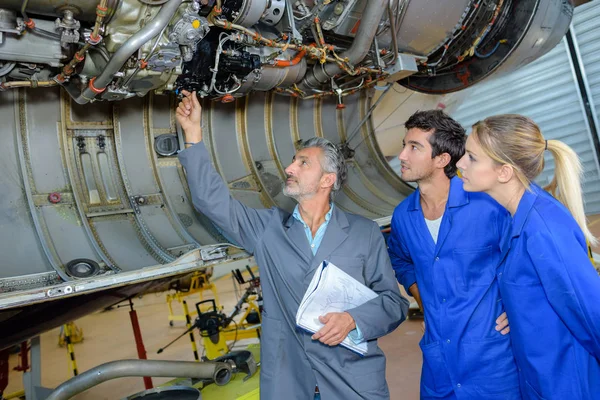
108, 336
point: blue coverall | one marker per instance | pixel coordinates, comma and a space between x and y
551, 293
464, 357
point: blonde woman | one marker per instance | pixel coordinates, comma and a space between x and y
550, 290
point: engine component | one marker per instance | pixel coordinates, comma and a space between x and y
98, 84
338, 13
217, 62
244, 12
225, 49
501, 38
8, 23
239, 63
274, 12
31, 48
357, 52
189, 30
165, 59
69, 28
82, 10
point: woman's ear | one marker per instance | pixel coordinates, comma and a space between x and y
505, 173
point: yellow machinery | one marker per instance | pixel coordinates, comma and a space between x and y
199, 283
72, 331
216, 328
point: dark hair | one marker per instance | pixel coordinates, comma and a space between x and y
447, 135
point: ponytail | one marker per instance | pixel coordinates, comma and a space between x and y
566, 184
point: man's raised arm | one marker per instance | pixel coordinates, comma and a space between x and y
210, 194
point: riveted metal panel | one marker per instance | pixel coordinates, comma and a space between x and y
42, 116
63, 224
121, 241
224, 140
19, 244
133, 146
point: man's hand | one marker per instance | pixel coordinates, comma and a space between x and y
502, 324
189, 116
337, 326
414, 292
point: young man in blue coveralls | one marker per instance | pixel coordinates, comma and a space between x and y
444, 248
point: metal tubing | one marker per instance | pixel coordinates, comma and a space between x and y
359, 49
25, 84
393, 32
128, 48
219, 372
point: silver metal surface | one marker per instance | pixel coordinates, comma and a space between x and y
68, 27
185, 34
539, 38
165, 59
220, 373
23, 148
274, 12
250, 12
8, 21
405, 65
441, 22
343, 17
33, 48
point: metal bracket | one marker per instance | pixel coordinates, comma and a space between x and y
213, 253
60, 291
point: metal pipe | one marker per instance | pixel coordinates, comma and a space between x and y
217, 371
401, 12
393, 32
95, 38
32, 84
121, 56
359, 49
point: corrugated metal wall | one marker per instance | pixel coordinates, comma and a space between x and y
586, 29
547, 92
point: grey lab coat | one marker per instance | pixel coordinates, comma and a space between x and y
291, 362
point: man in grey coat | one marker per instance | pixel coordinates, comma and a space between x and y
288, 248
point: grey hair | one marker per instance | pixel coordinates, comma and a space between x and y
333, 160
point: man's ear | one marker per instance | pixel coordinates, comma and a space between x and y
505, 173
442, 160
328, 180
